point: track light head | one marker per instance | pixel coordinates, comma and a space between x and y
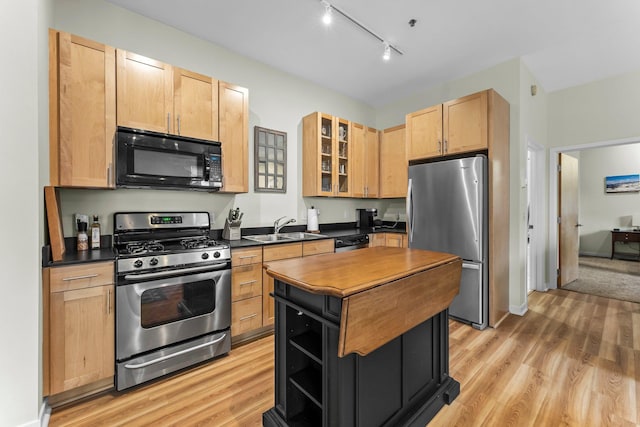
387, 52
326, 18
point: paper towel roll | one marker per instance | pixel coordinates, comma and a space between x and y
312, 219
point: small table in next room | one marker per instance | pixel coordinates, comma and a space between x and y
624, 237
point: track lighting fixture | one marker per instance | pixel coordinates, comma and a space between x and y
326, 18
387, 52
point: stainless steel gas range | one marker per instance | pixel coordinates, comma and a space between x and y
173, 294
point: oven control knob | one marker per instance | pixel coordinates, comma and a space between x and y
153, 261
137, 263
205, 255
216, 254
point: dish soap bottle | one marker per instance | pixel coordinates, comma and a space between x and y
95, 233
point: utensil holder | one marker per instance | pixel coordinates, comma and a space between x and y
231, 230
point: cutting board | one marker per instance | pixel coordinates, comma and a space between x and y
56, 236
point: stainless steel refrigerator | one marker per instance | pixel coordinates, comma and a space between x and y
447, 212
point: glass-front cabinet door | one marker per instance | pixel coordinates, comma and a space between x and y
326, 154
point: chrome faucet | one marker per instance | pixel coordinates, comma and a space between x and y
277, 226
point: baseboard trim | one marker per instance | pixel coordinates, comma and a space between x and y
519, 310
45, 413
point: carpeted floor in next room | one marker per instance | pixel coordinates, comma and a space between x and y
611, 278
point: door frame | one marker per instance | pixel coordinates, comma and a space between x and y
535, 187
552, 219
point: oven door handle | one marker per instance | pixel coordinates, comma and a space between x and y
173, 272
176, 354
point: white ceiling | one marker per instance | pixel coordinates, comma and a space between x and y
563, 42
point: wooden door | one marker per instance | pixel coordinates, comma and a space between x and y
234, 136
81, 337
82, 112
358, 158
145, 93
424, 133
568, 227
465, 124
393, 163
372, 163
195, 104
317, 154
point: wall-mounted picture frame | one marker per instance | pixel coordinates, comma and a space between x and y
270, 166
622, 183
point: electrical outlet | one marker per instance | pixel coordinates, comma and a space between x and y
397, 216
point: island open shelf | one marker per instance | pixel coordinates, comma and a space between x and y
361, 338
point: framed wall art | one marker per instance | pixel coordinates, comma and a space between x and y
270, 163
622, 183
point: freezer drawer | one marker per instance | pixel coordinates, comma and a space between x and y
470, 304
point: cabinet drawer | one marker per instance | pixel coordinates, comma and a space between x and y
246, 256
246, 315
317, 247
246, 281
289, 250
80, 276
376, 239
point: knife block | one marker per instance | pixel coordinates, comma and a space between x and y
231, 230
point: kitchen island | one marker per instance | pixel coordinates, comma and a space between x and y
361, 338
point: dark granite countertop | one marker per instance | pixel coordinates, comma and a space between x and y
106, 252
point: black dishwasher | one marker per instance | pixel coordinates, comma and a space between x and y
351, 242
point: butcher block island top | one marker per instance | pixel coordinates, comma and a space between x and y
347, 273
362, 337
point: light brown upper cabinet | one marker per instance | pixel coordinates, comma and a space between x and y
234, 136
457, 126
327, 156
393, 163
364, 161
195, 104
145, 93
156, 96
82, 111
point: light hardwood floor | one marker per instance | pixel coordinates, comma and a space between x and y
572, 360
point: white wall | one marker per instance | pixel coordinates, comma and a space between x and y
600, 212
21, 211
276, 100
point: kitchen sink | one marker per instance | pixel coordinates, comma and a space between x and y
283, 237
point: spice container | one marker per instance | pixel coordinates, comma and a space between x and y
95, 233
82, 239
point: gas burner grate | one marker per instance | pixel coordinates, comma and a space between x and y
198, 243
143, 247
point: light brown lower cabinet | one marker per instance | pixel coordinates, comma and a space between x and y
246, 290
79, 327
274, 253
395, 240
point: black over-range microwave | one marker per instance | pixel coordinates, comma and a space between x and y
146, 159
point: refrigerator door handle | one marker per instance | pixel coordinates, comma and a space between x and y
470, 266
409, 209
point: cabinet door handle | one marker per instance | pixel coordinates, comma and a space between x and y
440, 147
109, 175
250, 282
168, 122
247, 256
88, 276
109, 301
248, 317
445, 146
178, 124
